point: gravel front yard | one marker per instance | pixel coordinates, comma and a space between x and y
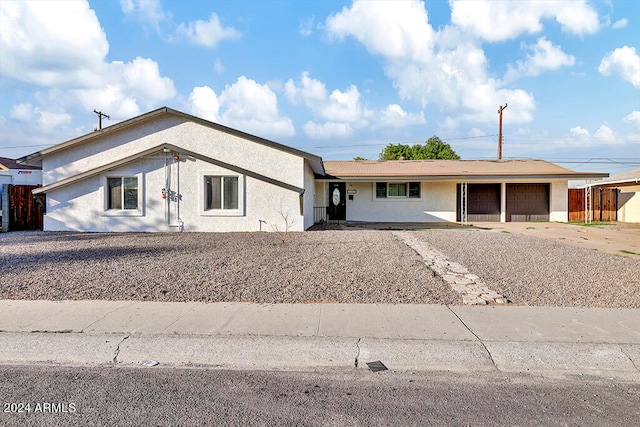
344, 266
533, 271
327, 266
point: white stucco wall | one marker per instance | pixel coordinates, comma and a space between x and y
629, 204
309, 195
174, 130
437, 203
559, 201
81, 207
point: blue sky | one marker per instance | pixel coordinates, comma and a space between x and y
335, 78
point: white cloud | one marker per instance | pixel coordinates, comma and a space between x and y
395, 116
244, 105
142, 77
623, 61
504, 20
327, 130
336, 109
633, 117
46, 121
442, 69
579, 132
306, 27
40, 44
149, 11
605, 134
217, 66
203, 102
207, 33
620, 23
392, 29
22, 112
341, 108
543, 56
475, 132
311, 92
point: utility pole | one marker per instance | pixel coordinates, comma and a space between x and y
500, 131
100, 116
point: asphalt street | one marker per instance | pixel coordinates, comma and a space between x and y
349, 397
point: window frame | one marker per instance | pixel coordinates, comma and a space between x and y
407, 190
138, 211
238, 211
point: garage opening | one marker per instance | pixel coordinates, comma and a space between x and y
527, 202
483, 202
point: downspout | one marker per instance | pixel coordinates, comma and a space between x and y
180, 224
168, 179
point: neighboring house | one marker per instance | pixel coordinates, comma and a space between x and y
448, 190
14, 173
628, 200
167, 170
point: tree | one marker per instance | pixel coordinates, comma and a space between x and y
359, 158
433, 148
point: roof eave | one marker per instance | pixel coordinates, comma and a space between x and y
458, 177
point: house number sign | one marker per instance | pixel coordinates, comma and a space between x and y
336, 197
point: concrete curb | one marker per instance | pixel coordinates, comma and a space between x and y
308, 353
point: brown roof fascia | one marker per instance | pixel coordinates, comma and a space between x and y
450, 177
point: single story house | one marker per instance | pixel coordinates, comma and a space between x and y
450, 190
167, 170
628, 201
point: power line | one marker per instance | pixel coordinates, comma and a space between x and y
26, 146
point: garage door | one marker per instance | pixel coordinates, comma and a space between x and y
527, 202
483, 202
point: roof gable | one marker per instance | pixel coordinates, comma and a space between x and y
315, 161
156, 150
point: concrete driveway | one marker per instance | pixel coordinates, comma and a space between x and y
615, 238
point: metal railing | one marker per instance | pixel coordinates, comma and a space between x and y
320, 214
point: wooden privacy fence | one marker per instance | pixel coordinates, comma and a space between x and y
603, 203
20, 210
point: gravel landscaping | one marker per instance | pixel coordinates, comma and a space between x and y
323, 266
533, 271
333, 266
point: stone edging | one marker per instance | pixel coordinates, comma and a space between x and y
468, 285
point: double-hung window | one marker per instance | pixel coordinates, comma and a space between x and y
122, 193
409, 190
221, 193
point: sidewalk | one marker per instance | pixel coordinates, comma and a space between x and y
543, 340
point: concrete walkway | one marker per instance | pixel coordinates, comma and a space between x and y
541, 340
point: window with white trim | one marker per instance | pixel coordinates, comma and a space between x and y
122, 193
409, 190
221, 193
